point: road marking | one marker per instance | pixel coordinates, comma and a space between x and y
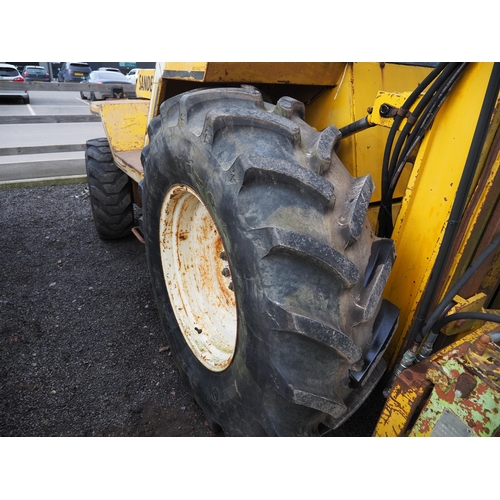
30, 109
58, 106
44, 181
7, 160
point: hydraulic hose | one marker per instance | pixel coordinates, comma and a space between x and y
438, 311
421, 106
413, 133
421, 127
392, 134
355, 127
385, 213
494, 336
460, 199
495, 318
427, 348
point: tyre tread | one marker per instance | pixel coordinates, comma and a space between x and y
110, 192
302, 164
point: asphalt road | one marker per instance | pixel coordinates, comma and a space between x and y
35, 166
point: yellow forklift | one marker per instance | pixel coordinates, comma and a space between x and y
314, 230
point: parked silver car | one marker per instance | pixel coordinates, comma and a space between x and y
9, 73
115, 70
107, 78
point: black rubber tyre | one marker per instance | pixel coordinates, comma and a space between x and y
307, 271
110, 190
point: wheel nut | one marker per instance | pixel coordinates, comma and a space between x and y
223, 256
226, 272
231, 287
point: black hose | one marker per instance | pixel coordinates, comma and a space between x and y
392, 133
430, 95
385, 213
441, 307
412, 134
427, 348
478, 140
421, 127
495, 318
355, 127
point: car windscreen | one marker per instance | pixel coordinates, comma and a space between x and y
109, 76
36, 71
8, 72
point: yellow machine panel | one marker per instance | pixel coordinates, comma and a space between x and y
351, 100
258, 72
144, 86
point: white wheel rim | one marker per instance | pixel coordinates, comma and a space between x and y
197, 278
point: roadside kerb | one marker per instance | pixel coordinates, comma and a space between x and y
44, 181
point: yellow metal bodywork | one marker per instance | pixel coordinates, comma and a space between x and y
473, 304
362, 153
314, 73
125, 124
401, 405
144, 85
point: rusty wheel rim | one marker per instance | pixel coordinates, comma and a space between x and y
198, 278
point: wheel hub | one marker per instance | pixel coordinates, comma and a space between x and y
198, 278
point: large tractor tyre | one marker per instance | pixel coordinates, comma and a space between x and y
267, 275
110, 189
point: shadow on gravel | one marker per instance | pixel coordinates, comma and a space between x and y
81, 351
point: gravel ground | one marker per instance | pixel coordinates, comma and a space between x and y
81, 351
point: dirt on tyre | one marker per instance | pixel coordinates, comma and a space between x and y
266, 272
110, 191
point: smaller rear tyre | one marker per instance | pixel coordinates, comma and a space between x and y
110, 189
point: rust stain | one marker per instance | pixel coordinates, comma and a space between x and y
438, 378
